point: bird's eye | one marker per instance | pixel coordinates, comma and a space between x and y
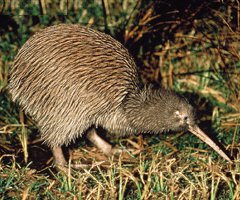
185, 118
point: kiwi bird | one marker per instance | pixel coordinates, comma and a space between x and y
72, 79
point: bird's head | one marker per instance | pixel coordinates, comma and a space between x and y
162, 111
180, 113
182, 117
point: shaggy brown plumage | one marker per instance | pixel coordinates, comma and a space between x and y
71, 79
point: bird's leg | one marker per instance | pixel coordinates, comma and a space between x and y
104, 146
59, 158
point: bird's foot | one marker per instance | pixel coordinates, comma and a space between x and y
115, 151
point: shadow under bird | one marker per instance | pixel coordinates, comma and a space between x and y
72, 79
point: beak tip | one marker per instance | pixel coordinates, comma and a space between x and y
199, 133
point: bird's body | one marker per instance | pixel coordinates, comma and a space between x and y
77, 82
71, 79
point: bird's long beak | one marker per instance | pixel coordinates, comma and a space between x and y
199, 133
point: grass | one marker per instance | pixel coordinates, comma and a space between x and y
193, 49
150, 177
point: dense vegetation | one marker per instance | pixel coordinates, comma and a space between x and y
192, 48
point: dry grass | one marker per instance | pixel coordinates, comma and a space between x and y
152, 176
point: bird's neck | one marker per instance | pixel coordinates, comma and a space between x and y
140, 111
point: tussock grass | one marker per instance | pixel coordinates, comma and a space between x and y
191, 48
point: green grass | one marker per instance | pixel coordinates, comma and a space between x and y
149, 178
198, 57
